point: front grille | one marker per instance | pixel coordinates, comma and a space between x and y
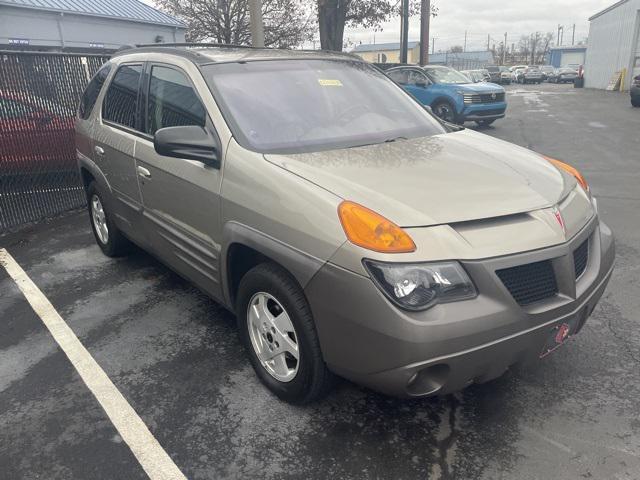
581, 258
530, 283
483, 97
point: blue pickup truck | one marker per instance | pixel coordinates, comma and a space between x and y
451, 95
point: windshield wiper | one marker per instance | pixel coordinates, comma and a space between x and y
391, 140
388, 140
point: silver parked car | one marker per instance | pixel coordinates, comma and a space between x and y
531, 74
350, 231
563, 75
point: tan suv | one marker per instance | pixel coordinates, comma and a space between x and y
350, 231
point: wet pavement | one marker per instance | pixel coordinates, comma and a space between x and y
175, 356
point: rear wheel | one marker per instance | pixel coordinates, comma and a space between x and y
445, 111
108, 237
635, 101
277, 329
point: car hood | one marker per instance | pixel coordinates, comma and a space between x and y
446, 178
480, 87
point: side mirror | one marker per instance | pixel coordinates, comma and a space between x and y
190, 142
421, 84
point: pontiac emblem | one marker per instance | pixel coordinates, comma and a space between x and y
559, 219
493, 96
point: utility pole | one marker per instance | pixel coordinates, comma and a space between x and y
433, 45
504, 50
464, 49
425, 18
573, 35
404, 31
257, 26
534, 41
488, 41
560, 29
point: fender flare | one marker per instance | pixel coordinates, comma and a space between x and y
85, 163
302, 266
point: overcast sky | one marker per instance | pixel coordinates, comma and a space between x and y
490, 17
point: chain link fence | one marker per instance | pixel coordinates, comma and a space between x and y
39, 94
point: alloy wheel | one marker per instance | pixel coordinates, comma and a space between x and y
273, 337
99, 220
445, 112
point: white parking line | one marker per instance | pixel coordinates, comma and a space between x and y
152, 457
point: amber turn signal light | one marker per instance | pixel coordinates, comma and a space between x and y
572, 170
372, 231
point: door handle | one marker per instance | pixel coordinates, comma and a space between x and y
99, 150
143, 172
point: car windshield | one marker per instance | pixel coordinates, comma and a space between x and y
304, 105
493, 69
445, 75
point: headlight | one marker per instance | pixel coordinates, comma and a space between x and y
420, 286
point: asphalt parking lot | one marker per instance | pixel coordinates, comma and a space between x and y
174, 355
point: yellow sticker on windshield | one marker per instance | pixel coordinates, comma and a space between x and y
329, 83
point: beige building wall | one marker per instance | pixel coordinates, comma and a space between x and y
393, 56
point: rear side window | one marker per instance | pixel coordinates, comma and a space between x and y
172, 101
399, 76
121, 101
92, 91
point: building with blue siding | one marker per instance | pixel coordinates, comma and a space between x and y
84, 25
562, 56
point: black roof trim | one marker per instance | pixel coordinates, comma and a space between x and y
198, 52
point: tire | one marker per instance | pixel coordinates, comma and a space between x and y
112, 242
445, 111
635, 102
281, 294
485, 123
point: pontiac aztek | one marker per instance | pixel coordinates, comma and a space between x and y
352, 232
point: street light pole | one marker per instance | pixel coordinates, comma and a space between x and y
404, 31
255, 19
504, 50
425, 17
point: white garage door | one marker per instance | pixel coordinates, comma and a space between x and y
636, 63
569, 58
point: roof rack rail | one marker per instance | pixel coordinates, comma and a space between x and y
195, 44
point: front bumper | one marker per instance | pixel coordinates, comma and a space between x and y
369, 341
483, 111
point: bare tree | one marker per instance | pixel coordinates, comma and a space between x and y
334, 15
287, 23
456, 49
534, 48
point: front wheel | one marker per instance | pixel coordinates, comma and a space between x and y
445, 111
277, 329
635, 102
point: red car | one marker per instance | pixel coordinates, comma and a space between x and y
36, 135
